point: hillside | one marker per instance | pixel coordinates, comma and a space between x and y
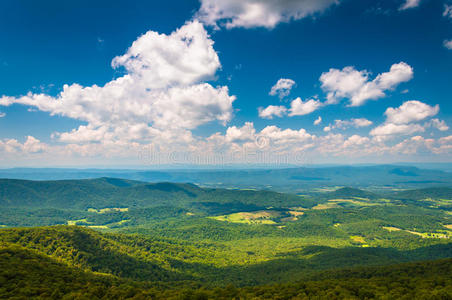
128, 238
421, 194
348, 192
148, 258
111, 192
56, 261
88, 250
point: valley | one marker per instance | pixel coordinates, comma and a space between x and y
154, 234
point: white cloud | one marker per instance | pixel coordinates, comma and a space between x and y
272, 110
447, 11
31, 146
410, 111
287, 136
162, 96
361, 122
355, 85
184, 57
438, 124
448, 44
344, 124
271, 144
356, 140
258, 13
339, 145
445, 140
345, 83
298, 107
410, 4
10, 146
401, 120
411, 145
318, 121
2, 114
282, 88
396, 129
301, 108
245, 133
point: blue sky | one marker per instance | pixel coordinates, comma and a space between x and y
195, 86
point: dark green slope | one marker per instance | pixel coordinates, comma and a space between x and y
88, 250
420, 194
348, 192
110, 192
25, 274
59, 194
158, 259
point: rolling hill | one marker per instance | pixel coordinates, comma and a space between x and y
111, 192
74, 262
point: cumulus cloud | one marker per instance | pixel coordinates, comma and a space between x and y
282, 88
448, 44
286, 137
258, 13
299, 107
438, 124
401, 120
33, 145
410, 111
161, 96
396, 129
409, 146
30, 146
244, 133
410, 4
271, 144
344, 124
2, 114
356, 141
10, 145
184, 57
355, 85
272, 110
318, 121
361, 122
339, 145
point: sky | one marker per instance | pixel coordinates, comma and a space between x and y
211, 82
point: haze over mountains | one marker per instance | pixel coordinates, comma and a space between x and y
290, 179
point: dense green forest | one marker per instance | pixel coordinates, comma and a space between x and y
115, 239
28, 272
73, 262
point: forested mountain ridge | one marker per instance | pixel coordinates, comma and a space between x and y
126, 238
420, 194
111, 192
34, 264
148, 258
114, 192
295, 179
